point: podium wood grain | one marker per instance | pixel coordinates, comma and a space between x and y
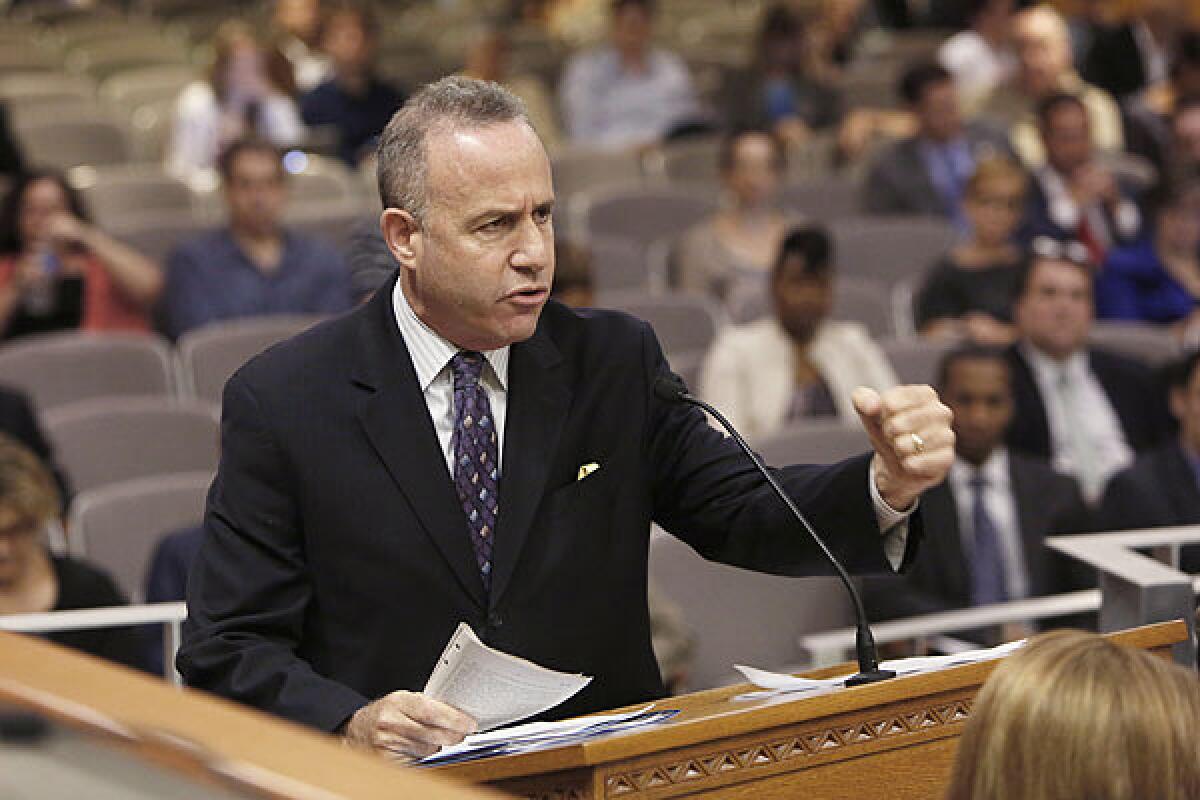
899, 736
192, 732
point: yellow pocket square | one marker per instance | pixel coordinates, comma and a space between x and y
587, 469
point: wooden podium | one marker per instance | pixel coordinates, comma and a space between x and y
897, 737
223, 749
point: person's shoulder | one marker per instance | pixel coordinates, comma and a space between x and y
1138, 259
196, 96
208, 247
82, 584
1037, 471
590, 325
1120, 366
959, 47
305, 360
317, 252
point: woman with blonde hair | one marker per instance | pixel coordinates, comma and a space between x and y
1072, 715
247, 92
32, 580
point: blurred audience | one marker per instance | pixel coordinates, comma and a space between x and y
729, 254
1162, 487
573, 284
297, 28
1129, 57
11, 161
627, 93
795, 364
247, 91
927, 173
19, 421
487, 59
985, 525
968, 294
253, 265
1072, 715
1074, 195
1044, 67
32, 580
60, 272
1083, 409
1155, 121
1157, 279
779, 91
980, 57
353, 101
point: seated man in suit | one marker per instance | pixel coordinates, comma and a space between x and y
985, 524
927, 173
1162, 487
1074, 196
452, 452
1085, 410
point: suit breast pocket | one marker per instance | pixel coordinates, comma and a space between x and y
589, 495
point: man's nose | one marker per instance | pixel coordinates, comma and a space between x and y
531, 251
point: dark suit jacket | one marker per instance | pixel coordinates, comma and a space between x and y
336, 561
939, 579
1157, 490
898, 182
1114, 62
1131, 387
1037, 221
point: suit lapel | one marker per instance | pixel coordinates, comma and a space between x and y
1031, 523
538, 400
396, 421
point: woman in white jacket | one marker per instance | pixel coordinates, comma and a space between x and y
794, 364
248, 90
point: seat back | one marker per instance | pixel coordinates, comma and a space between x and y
55, 369
208, 356
889, 249
684, 322
816, 442
642, 214
108, 440
118, 526
915, 360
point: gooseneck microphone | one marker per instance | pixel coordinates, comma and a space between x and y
673, 390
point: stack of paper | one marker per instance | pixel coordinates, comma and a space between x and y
541, 735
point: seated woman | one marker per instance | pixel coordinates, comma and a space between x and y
795, 364
1072, 715
1157, 279
728, 255
31, 579
969, 293
247, 92
59, 272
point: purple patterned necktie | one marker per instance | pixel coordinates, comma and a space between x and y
476, 465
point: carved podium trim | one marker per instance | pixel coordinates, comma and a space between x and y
822, 741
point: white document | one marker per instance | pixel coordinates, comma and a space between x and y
780, 682
496, 688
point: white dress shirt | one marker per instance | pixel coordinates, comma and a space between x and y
431, 354
1001, 506
1090, 425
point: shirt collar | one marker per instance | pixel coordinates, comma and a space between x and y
430, 351
994, 470
1049, 369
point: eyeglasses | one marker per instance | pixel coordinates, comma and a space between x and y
1061, 250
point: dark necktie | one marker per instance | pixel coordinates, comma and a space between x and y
987, 559
476, 464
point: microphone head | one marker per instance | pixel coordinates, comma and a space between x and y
670, 387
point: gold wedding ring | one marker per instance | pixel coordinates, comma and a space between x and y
918, 443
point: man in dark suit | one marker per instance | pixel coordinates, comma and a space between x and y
927, 173
454, 452
1085, 410
984, 525
1132, 56
1073, 195
1162, 487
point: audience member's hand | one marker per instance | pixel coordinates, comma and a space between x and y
1094, 183
986, 329
408, 726
914, 445
66, 229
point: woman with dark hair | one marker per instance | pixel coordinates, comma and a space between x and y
795, 364
248, 91
780, 91
58, 271
1157, 279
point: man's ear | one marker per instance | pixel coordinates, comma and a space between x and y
402, 235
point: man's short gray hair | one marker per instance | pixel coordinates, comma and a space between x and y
453, 102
